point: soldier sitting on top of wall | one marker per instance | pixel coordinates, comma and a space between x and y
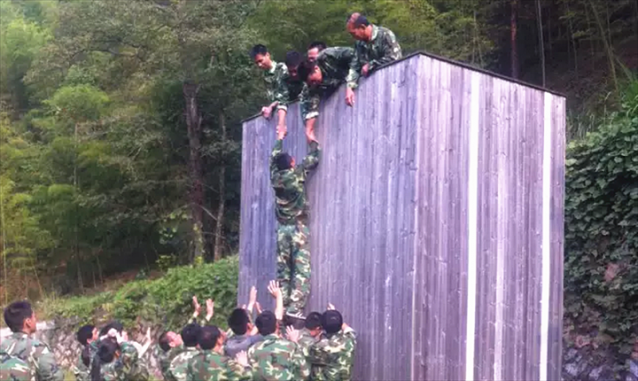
291, 209
332, 67
21, 356
314, 49
283, 87
375, 46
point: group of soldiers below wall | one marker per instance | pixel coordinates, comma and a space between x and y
274, 347
309, 79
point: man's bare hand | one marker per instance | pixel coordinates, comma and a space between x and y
282, 131
252, 297
293, 334
349, 97
148, 335
365, 70
273, 289
266, 111
196, 306
210, 309
242, 359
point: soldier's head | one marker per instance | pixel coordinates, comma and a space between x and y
87, 334
239, 321
107, 351
313, 324
190, 334
314, 49
259, 53
266, 323
169, 339
116, 325
331, 321
293, 60
211, 337
19, 317
310, 73
359, 27
284, 161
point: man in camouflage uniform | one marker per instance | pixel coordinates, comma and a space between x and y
283, 85
332, 67
21, 356
293, 249
211, 365
332, 357
87, 336
375, 46
275, 358
178, 369
170, 345
133, 367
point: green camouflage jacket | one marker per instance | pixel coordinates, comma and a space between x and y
290, 194
178, 369
281, 87
165, 358
380, 50
277, 359
81, 371
338, 65
34, 352
306, 340
333, 356
211, 366
134, 369
113, 371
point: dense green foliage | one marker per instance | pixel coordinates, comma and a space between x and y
601, 239
120, 120
166, 300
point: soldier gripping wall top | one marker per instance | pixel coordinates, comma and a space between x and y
283, 86
375, 45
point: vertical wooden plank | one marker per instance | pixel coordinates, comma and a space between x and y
557, 226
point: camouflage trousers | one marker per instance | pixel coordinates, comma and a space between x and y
293, 265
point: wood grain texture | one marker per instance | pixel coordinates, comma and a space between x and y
389, 221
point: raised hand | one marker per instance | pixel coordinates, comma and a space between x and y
196, 306
273, 288
210, 309
252, 298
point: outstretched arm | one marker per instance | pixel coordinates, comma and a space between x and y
311, 160
276, 150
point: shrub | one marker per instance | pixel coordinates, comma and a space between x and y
601, 232
166, 301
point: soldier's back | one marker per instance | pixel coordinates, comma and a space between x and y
19, 352
277, 359
179, 365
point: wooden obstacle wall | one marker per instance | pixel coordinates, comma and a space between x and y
436, 221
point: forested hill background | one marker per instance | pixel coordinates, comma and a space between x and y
120, 124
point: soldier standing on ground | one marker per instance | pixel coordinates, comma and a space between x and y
21, 356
